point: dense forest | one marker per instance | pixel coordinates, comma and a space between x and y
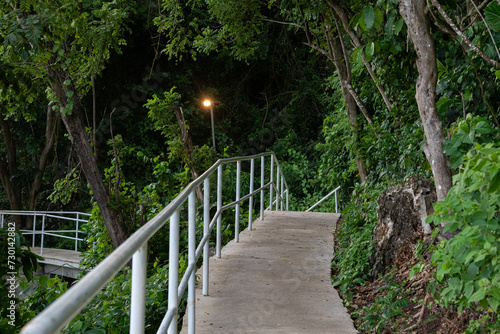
101, 111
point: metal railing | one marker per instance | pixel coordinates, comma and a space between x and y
44, 215
64, 309
324, 198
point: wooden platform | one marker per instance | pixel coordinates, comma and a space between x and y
275, 280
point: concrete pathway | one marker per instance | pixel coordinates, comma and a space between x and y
61, 262
275, 280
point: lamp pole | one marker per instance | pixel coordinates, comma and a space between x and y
213, 131
208, 103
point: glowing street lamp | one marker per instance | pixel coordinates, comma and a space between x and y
208, 103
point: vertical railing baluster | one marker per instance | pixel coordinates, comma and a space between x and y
250, 201
282, 192
76, 237
43, 231
138, 293
206, 223
2, 220
277, 186
336, 202
34, 231
191, 261
219, 210
262, 160
237, 213
272, 183
173, 269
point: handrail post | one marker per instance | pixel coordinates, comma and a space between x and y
237, 214
206, 223
173, 269
191, 261
324, 198
76, 235
277, 186
287, 195
43, 231
34, 231
2, 220
336, 211
219, 208
272, 183
138, 294
262, 160
282, 193
250, 201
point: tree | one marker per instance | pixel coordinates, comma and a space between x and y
413, 13
64, 46
22, 104
242, 22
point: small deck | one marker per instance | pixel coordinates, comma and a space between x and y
275, 280
60, 262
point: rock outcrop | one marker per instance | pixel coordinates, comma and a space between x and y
402, 211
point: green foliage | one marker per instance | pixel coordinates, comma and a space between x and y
468, 264
379, 316
487, 324
108, 311
160, 111
79, 42
98, 241
16, 259
188, 27
65, 188
465, 134
351, 260
44, 291
492, 16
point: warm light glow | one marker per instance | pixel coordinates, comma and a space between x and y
206, 103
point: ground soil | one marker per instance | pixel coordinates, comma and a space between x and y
435, 319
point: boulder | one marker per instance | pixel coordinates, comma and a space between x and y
401, 215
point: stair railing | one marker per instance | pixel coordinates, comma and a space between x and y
64, 309
76, 217
324, 198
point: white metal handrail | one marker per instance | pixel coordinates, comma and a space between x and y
65, 308
324, 198
60, 215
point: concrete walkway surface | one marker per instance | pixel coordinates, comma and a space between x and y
275, 280
61, 262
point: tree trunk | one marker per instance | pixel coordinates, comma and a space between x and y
8, 171
80, 140
340, 63
50, 137
188, 147
413, 12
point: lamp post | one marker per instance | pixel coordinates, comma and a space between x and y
208, 103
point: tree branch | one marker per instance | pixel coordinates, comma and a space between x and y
465, 39
345, 22
361, 106
478, 8
322, 51
284, 23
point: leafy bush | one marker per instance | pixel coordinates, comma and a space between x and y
22, 261
351, 260
469, 263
